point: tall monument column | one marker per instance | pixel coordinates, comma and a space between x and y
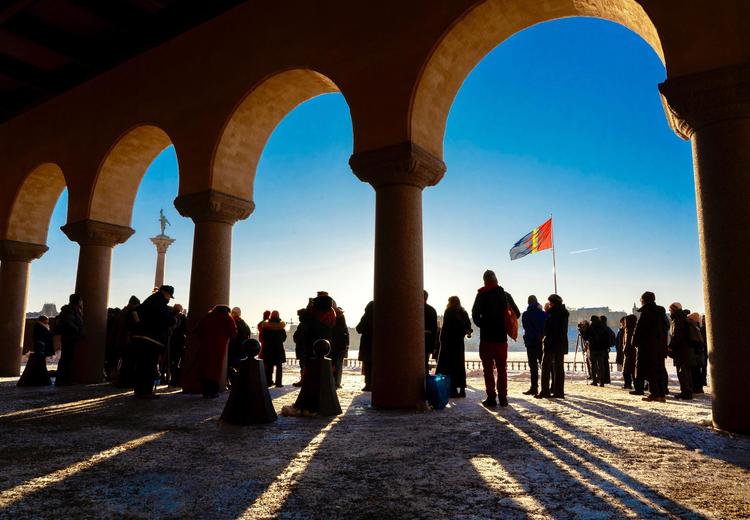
214, 213
162, 243
398, 173
712, 109
15, 259
96, 240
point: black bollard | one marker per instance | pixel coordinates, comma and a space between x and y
249, 401
318, 393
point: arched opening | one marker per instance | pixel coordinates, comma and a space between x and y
34, 203
481, 30
252, 122
564, 118
121, 172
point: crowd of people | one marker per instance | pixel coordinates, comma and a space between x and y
146, 344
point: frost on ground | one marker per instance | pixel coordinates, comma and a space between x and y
94, 451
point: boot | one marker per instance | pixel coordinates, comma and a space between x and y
502, 400
489, 402
531, 391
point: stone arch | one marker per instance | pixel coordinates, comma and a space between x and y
33, 204
483, 28
121, 172
251, 123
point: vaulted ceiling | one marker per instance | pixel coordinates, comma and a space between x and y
50, 46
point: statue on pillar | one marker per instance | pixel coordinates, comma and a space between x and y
163, 222
162, 243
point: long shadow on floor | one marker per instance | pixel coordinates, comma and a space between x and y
710, 442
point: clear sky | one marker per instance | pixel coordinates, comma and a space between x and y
562, 118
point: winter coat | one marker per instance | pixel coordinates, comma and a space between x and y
650, 340
42, 340
274, 335
451, 361
488, 313
153, 320
533, 320
598, 337
340, 336
556, 330
364, 328
319, 323
431, 340
619, 346
679, 345
214, 332
69, 324
237, 345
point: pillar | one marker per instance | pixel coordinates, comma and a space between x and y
96, 240
214, 213
712, 109
15, 259
162, 243
398, 173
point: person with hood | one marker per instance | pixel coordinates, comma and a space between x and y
153, 320
339, 344
629, 354
365, 328
451, 361
35, 373
650, 340
555, 348
698, 344
598, 339
488, 312
214, 331
274, 335
69, 326
430, 333
680, 350
533, 320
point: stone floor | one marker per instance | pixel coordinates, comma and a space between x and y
95, 452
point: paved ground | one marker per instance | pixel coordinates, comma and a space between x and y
95, 452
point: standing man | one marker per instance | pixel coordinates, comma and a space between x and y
488, 313
680, 349
533, 331
555, 348
236, 351
69, 325
430, 333
650, 339
339, 344
153, 320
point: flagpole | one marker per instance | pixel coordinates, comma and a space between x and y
554, 259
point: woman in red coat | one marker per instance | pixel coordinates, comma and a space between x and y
214, 332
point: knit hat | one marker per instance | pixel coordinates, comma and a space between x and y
694, 317
676, 306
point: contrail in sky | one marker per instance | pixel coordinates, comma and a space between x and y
583, 251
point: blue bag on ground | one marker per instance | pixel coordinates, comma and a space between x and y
438, 390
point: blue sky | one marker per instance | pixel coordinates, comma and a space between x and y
562, 118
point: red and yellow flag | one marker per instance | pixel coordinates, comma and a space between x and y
538, 240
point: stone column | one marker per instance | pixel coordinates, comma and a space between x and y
712, 109
214, 213
15, 258
398, 173
96, 240
162, 243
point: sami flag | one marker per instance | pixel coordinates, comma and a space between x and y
538, 240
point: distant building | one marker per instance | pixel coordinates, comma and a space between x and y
48, 309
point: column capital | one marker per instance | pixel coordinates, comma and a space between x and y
697, 100
95, 233
213, 206
14, 251
399, 164
162, 243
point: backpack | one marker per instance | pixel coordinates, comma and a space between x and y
511, 323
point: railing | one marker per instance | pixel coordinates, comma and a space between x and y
570, 366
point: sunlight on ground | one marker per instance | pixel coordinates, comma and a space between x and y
73, 406
35, 485
503, 483
274, 497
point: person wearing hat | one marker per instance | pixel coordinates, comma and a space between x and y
555, 349
152, 321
